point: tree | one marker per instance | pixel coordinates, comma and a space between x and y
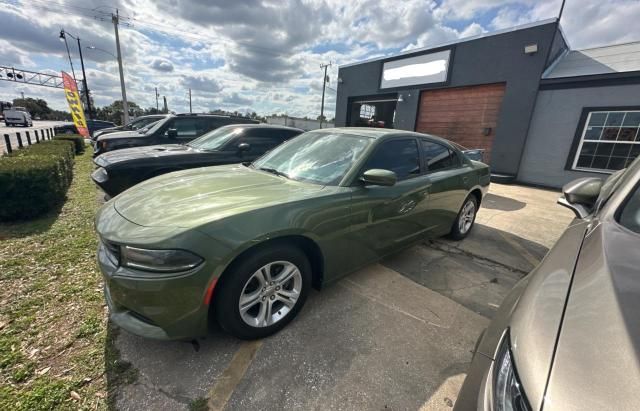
39, 108
115, 113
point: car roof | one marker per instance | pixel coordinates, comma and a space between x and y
382, 132
265, 125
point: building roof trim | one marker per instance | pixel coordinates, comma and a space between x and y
613, 59
457, 41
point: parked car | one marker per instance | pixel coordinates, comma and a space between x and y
135, 124
476, 154
567, 336
92, 125
17, 116
244, 243
180, 128
118, 170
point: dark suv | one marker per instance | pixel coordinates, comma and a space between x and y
121, 169
174, 129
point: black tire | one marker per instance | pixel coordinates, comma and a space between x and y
457, 231
239, 275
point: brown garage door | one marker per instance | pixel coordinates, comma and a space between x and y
463, 114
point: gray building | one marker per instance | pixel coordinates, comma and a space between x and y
520, 94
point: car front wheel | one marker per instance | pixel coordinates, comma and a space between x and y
263, 292
465, 219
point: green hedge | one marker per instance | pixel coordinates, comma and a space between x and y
35, 179
78, 141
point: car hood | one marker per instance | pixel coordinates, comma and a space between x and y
126, 154
597, 360
195, 197
537, 316
120, 134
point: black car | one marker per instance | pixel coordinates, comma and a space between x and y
135, 124
180, 128
121, 169
92, 125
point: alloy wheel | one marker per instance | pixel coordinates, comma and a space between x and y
270, 293
467, 215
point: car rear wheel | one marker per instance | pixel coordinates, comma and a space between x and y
465, 219
263, 292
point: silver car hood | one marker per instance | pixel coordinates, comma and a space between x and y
596, 365
537, 316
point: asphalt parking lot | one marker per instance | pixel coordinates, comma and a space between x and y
397, 335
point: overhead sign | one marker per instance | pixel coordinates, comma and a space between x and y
423, 69
75, 104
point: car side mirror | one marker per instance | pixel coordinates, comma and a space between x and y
242, 147
581, 195
172, 133
379, 177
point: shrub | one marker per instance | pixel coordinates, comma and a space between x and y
35, 179
78, 141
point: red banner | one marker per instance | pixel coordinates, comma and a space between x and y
75, 104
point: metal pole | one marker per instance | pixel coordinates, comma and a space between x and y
68, 54
324, 83
115, 19
84, 80
7, 143
190, 112
157, 107
19, 140
28, 137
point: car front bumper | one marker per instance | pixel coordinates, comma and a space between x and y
165, 306
475, 393
101, 178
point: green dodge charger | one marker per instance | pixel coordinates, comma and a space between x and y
243, 244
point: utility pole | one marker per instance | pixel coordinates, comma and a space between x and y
324, 84
166, 108
157, 95
190, 112
115, 19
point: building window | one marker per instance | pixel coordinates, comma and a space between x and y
610, 141
367, 111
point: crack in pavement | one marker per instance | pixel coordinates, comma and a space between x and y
488, 262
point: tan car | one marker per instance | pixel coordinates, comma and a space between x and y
568, 336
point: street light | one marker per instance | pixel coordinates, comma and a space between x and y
102, 50
63, 37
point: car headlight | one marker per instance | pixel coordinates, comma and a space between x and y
158, 260
100, 175
508, 394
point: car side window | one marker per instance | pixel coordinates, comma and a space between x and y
187, 127
263, 140
400, 156
630, 216
438, 157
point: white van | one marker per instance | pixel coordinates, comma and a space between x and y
17, 116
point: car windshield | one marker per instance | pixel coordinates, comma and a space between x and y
215, 139
153, 126
316, 157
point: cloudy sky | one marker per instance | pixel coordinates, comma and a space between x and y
262, 56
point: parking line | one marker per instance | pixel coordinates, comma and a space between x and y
232, 375
520, 249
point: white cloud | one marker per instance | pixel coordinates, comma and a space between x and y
264, 55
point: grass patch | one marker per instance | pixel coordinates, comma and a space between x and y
56, 351
199, 404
